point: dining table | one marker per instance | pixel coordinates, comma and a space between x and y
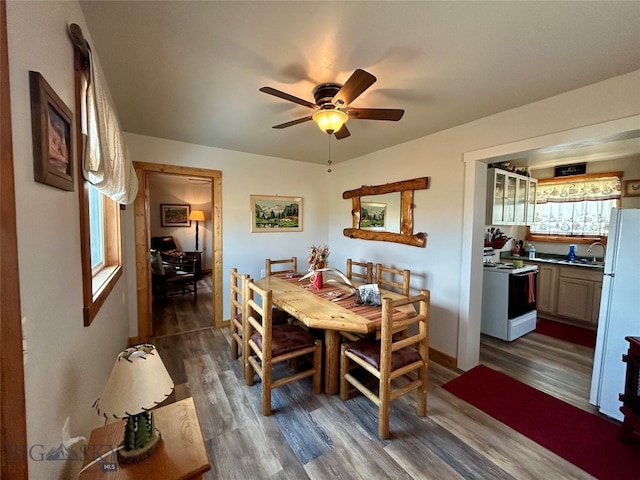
331, 309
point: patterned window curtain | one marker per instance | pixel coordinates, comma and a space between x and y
575, 207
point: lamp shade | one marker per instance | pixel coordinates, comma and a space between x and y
330, 120
196, 215
138, 382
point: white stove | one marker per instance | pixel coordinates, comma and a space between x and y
509, 268
508, 300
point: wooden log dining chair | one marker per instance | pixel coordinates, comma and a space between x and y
267, 346
237, 292
391, 360
393, 278
363, 271
284, 265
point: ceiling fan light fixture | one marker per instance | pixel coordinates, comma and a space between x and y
330, 120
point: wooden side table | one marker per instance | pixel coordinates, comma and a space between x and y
197, 255
631, 397
181, 454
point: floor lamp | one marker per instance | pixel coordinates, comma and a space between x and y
197, 216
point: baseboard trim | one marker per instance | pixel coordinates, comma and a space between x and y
442, 358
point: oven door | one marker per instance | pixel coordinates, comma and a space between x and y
522, 293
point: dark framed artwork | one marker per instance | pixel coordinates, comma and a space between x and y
51, 132
631, 188
173, 215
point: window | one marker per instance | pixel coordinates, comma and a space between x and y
570, 208
99, 216
96, 229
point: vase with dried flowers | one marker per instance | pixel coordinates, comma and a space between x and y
318, 257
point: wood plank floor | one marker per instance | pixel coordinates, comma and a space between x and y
320, 436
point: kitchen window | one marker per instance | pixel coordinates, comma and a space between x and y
575, 208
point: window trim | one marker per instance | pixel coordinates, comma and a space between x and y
97, 286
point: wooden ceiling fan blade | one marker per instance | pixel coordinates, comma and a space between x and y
293, 122
375, 114
357, 83
291, 98
343, 132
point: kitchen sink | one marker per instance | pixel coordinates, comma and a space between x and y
558, 261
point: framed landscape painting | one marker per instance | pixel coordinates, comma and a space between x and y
175, 215
373, 216
275, 214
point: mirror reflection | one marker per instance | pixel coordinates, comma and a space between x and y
381, 212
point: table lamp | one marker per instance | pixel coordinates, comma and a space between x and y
138, 382
197, 216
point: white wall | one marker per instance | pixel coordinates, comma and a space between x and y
245, 174
66, 364
452, 210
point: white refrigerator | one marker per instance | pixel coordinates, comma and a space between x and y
619, 311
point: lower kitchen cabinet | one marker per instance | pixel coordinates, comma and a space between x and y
547, 286
569, 294
575, 299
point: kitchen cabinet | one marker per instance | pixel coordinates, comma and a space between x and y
569, 294
547, 286
510, 198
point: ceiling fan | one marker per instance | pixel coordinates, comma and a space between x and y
332, 105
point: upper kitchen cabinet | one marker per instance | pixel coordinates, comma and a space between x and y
510, 198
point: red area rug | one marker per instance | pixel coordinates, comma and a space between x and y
568, 333
582, 438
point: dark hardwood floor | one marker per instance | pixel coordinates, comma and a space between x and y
320, 436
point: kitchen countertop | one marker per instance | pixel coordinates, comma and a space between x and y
580, 262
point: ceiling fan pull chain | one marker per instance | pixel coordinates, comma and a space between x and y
329, 162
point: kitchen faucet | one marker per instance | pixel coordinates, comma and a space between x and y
590, 250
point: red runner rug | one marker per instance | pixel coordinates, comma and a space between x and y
568, 333
582, 438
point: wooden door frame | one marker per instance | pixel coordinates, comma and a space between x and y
143, 237
13, 423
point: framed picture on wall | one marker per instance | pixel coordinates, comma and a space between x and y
373, 216
631, 188
175, 215
276, 214
51, 134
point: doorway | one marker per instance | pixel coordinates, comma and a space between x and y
143, 236
474, 213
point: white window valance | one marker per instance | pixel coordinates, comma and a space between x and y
106, 163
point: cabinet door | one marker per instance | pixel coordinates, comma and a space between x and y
547, 286
532, 190
496, 190
575, 299
521, 200
595, 311
510, 191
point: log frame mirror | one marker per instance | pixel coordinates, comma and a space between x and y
406, 235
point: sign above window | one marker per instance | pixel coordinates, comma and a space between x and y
566, 170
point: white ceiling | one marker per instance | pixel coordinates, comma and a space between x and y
191, 70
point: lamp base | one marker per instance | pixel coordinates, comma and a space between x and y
138, 454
